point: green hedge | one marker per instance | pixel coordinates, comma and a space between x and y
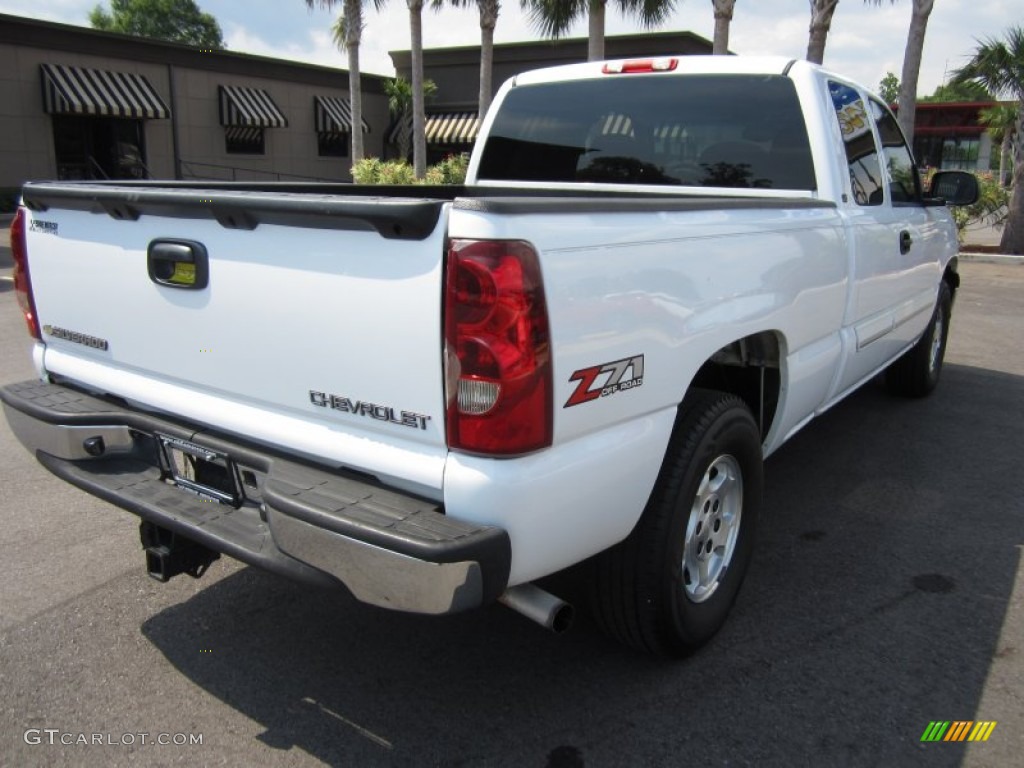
992, 207
373, 170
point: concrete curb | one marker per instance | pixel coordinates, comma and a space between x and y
991, 258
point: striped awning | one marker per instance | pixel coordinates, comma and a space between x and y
452, 128
617, 125
79, 91
334, 115
243, 133
670, 131
250, 107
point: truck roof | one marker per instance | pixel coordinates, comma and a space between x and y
684, 64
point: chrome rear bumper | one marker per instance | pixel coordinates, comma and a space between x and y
303, 521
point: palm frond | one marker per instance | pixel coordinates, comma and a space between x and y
553, 18
997, 64
650, 13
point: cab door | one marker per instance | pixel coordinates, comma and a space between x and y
893, 278
916, 230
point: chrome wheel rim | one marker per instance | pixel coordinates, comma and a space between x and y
712, 528
936, 347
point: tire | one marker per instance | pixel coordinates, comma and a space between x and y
917, 372
669, 586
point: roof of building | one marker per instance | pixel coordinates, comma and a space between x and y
48, 35
567, 49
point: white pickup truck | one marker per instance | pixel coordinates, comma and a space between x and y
656, 273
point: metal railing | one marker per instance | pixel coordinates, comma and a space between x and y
90, 169
234, 173
91, 161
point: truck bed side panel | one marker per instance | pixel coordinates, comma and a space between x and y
672, 288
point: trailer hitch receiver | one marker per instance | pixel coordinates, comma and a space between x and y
168, 554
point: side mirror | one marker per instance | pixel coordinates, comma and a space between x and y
954, 188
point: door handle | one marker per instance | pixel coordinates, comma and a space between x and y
178, 264
905, 242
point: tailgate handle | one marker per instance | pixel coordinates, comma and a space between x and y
178, 264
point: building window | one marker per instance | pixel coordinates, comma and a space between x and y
99, 148
333, 144
244, 141
949, 152
960, 153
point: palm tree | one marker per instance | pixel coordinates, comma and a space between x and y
821, 20
347, 33
353, 10
907, 98
723, 17
488, 10
1002, 125
999, 66
399, 93
419, 115
553, 18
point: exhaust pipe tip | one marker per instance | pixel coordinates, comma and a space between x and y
534, 603
563, 619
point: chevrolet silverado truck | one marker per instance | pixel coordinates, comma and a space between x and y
656, 272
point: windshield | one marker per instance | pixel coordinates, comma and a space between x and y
697, 130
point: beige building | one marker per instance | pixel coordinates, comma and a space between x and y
80, 104
76, 103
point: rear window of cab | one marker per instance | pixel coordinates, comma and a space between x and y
693, 130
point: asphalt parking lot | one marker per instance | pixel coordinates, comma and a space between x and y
887, 592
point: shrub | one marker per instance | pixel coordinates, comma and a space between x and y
367, 171
397, 172
453, 169
991, 208
434, 176
372, 170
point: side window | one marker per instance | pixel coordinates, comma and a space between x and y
861, 152
901, 173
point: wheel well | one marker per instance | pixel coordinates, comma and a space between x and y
750, 369
952, 277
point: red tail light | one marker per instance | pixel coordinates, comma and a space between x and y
22, 283
497, 350
639, 65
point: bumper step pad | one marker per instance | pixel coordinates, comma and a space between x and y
306, 522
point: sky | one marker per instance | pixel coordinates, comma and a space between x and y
865, 42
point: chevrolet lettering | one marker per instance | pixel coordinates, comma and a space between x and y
370, 410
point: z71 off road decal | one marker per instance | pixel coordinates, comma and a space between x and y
606, 379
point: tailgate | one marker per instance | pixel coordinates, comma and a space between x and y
318, 329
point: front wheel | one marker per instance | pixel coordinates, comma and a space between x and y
670, 585
917, 372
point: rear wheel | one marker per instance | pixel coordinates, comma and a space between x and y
670, 585
917, 372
